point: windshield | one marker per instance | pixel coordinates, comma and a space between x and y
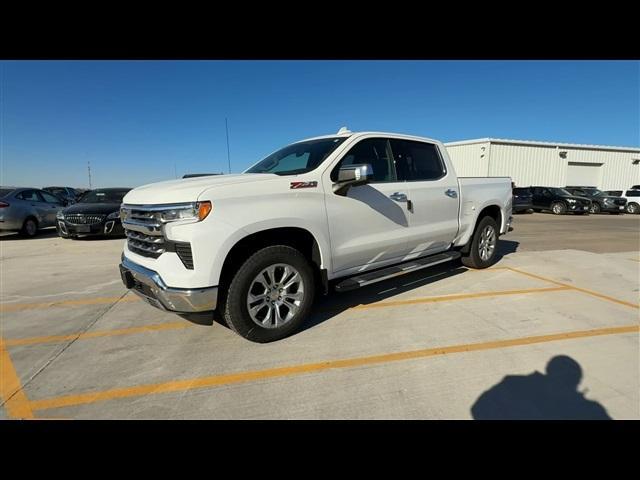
592, 192
298, 158
560, 191
56, 191
104, 196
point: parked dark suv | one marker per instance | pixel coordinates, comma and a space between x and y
522, 199
600, 201
97, 213
559, 201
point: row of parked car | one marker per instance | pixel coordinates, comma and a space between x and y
92, 212
580, 200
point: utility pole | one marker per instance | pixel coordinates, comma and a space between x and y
89, 170
226, 124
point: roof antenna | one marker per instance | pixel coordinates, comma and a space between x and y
343, 130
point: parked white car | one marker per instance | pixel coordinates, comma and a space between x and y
341, 211
632, 196
633, 199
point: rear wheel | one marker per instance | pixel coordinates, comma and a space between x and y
271, 294
482, 252
29, 227
558, 208
594, 208
633, 208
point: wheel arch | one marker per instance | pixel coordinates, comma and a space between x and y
494, 211
297, 237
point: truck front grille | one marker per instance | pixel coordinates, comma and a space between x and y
145, 245
144, 232
145, 235
81, 219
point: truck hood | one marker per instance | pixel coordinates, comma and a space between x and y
188, 189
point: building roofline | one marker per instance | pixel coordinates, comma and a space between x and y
542, 144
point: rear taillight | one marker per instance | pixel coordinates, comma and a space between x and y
3, 204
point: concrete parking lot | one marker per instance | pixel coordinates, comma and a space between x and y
551, 331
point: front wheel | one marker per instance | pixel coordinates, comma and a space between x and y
482, 252
558, 208
271, 294
594, 208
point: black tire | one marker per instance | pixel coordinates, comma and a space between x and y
594, 208
632, 208
234, 308
29, 227
558, 208
472, 258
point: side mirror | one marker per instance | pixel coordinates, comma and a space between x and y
351, 176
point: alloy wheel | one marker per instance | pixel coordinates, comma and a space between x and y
275, 295
487, 244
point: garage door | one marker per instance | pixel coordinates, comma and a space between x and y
586, 174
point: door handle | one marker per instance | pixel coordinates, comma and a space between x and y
398, 197
451, 193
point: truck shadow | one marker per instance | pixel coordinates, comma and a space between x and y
335, 303
506, 247
553, 395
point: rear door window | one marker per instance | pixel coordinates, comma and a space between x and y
417, 161
30, 196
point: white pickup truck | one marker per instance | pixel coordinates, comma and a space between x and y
341, 211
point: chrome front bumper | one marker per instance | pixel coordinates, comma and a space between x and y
150, 286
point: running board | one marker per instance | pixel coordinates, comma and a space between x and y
395, 271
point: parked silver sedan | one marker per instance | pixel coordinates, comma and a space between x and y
26, 210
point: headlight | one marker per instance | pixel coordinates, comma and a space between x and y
60, 215
187, 212
113, 215
608, 200
197, 211
571, 200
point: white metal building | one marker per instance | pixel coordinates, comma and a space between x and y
548, 164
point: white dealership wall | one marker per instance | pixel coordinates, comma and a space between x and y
549, 164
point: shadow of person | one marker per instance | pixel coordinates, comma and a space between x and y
553, 396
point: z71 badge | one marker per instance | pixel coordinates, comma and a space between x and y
295, 185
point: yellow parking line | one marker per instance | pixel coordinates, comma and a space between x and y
179, 325
579, 289
242, 377
104, 333
16, 307
458, 296
18, 405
